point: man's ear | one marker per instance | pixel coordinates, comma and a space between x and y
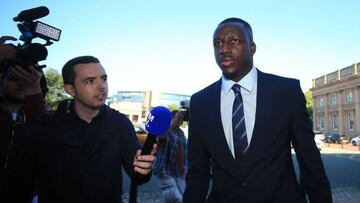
69, 89
253, 48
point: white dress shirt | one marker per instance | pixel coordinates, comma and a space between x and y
248, 92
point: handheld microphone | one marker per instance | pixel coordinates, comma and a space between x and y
157, 123
32, 14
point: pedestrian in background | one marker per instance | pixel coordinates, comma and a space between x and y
170, 165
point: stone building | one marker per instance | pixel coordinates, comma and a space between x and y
336, 101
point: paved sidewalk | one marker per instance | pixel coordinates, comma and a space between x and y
145, 197
338, 150
346, 195
340, 195
348, 153
349, 148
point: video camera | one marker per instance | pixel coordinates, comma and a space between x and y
184, 108
30, 53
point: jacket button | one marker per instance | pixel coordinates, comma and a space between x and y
244, 184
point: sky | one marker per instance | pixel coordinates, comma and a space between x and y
166, 45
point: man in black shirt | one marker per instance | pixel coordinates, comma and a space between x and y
78, 153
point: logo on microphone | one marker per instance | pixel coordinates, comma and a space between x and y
158, 121
149, 119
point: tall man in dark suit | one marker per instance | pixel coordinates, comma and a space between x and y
241, 129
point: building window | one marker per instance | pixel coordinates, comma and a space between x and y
135, 118
334, 122
349, 96
321, 122
350, 121
167, 99
333, 99
129, 96
321, 101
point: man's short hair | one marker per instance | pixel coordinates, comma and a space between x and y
174, 112
246, 25
68, 72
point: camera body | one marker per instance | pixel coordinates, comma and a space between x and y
26, 55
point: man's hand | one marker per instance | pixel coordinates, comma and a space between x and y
30, 76
143, 163
7, 51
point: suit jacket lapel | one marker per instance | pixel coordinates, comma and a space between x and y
220, 150
264, 108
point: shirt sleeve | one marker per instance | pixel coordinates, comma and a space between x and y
312, 172
130, 146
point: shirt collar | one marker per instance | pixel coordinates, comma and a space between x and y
71, 110
247, 83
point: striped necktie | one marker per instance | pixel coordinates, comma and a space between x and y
238, 124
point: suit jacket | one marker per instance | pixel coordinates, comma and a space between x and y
266, 173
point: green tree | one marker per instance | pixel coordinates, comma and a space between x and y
173, 107
309, 103
56, 91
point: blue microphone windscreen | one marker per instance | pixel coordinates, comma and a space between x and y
158, 121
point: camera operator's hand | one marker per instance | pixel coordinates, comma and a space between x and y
30, 76
6, 50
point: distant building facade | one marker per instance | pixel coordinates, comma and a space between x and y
336, 101
137, 104
134, 104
